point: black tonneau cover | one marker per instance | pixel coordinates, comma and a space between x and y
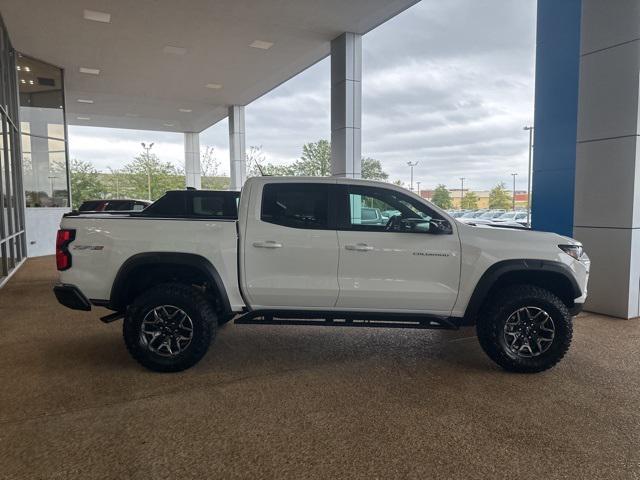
218, 204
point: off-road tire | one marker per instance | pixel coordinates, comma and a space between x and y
188, 299
501, 306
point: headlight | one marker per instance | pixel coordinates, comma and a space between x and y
575, 251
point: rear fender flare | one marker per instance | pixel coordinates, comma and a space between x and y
198, 262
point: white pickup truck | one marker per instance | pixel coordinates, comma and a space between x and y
298, 251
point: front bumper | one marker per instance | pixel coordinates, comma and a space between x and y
71, 297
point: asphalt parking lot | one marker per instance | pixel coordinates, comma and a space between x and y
306, 402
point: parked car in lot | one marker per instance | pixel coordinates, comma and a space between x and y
371, 216
114, 205
519, 217
457, 213
484, 218
387, 214
471, 214
297, 252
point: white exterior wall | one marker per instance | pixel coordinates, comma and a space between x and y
607, 183
41, 225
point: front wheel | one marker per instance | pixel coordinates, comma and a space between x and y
525, 329
169, 327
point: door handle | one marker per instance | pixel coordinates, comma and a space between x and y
359, 247
267, 244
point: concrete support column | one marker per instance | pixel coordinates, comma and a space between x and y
607, 180
192, 159
237, 149
346, 111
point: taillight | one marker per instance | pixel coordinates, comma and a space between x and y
63, 257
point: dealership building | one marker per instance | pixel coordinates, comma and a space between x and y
165, 67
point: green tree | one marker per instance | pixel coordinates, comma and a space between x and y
372, 170
469, 201
442, 197
499, 197
85, 183
146, 172
315, 160
256, 160
209, 165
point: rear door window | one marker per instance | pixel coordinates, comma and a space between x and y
296, 205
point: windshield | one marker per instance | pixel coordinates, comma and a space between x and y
507, 216
487, 215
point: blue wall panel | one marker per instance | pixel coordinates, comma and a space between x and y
556, 115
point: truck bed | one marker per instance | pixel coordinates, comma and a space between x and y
103, 243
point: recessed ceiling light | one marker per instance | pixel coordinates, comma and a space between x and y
185, 110
97, 16
213, 86
84, 100
22, 80
18, 67
168, 124
261, 44
83, 118
30, 82
90, 71
27, 69
174, 50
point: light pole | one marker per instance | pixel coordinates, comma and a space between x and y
418, 183
462, 179
411, 165
513, 198
116, 173
530, 129
147, 149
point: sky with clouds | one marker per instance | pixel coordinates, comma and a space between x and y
448, 84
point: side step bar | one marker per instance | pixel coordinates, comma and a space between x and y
346, 319
112, 317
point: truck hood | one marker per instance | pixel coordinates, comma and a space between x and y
524, 236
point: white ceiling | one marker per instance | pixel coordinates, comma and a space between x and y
140, 86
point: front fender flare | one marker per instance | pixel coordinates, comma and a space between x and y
497, 270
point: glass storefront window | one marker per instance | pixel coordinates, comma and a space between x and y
12, 233
44, 148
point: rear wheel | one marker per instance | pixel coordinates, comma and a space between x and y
525, 329
169, 328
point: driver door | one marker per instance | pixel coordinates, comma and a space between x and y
394, 269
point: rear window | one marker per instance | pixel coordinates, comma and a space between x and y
296, 205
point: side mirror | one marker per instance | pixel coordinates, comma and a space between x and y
440, 226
